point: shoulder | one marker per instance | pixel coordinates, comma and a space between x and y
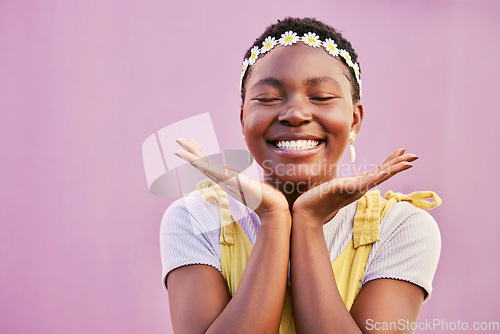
195, 212
190, 231
408, 249
405, 218
190, 214
189, 234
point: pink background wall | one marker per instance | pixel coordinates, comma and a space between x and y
83, 83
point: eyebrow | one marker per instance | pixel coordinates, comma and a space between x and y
308, 82
269, 82
316, 80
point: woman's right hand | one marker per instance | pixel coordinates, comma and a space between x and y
200, 301
263, 199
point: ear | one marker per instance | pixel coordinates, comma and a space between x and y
241, 119
357, 117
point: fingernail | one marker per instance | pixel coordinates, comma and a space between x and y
178, 142
408, 166
177, 154
413, 158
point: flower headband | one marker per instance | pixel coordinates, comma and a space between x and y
311, 39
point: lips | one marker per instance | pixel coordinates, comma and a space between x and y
300, 144
296, 145
295, 141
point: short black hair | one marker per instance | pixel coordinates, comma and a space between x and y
302, 26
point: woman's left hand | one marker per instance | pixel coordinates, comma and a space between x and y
319, 204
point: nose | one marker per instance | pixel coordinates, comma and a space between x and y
295, 115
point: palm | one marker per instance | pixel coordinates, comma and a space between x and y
258, 196
326, 199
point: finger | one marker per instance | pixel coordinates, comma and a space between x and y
186, 156
399, 167
241, 187
191, 146
409, 157
367, 182
379, 175
227, 177
393, 170
397, 153
395, 158
193, 154
357, 186
209, 168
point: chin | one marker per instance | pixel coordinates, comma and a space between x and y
291, 182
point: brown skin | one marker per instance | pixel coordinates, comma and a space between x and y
302, 92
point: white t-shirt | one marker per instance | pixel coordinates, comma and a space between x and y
408, 249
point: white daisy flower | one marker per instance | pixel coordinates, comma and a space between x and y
245, 66
331, 47
355, 67
268, 44
344, 54
243, 70
288, 38
254, 54
311, 39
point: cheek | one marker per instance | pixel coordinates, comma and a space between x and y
338, 127
255, 125
256, 122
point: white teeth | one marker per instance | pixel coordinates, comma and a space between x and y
297, 144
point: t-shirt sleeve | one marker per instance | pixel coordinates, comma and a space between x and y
408, 249
186, 238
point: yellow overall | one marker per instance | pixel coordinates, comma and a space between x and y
348, 268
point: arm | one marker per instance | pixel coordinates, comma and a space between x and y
387, 301
200, 301
199, 298
408, 250
318, 306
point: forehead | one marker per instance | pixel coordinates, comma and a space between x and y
298, 63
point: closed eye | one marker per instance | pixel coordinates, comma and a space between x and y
322, 99
268, 99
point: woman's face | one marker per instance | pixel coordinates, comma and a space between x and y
297, 115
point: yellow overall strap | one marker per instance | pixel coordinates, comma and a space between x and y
236, 249
349, 267
232, 262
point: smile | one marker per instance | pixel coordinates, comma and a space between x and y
296, 144
294, 149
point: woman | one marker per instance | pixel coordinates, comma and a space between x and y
301, 105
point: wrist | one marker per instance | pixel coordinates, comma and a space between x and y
276, 220
308, 222
316, 217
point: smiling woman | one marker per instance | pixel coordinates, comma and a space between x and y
298, 93
312, 252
